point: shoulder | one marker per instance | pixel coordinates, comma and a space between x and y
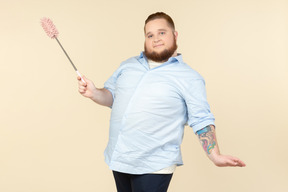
130, 64
188, 72
130, 60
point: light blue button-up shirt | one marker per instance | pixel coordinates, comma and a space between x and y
149, 112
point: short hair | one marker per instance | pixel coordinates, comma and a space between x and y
160, 15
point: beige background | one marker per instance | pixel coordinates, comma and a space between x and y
52, 139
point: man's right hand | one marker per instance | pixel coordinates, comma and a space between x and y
87, 88
100, 96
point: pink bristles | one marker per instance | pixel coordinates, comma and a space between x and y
49, 28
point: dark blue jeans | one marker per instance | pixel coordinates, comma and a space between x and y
142, 183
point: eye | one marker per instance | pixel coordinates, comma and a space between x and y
149, 36
162, 33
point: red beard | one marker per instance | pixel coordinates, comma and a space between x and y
163, 56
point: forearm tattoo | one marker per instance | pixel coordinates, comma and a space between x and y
207, 138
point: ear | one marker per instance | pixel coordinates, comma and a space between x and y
175, 35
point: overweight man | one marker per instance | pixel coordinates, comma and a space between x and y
152, 97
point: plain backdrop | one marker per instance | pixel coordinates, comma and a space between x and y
52, 139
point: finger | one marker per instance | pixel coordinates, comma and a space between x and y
81, 83
238, 162
82, 91
231, 162
241, 163
83, 78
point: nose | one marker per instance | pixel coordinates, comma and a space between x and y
156, 38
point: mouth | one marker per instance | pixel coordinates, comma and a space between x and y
155, 46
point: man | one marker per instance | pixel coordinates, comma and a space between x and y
153, 96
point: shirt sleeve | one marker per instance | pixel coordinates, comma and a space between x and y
110, 84
198, 109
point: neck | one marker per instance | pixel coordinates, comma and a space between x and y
174, 54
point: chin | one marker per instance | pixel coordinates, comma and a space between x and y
159, 50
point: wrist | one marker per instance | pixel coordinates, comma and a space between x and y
95, 95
